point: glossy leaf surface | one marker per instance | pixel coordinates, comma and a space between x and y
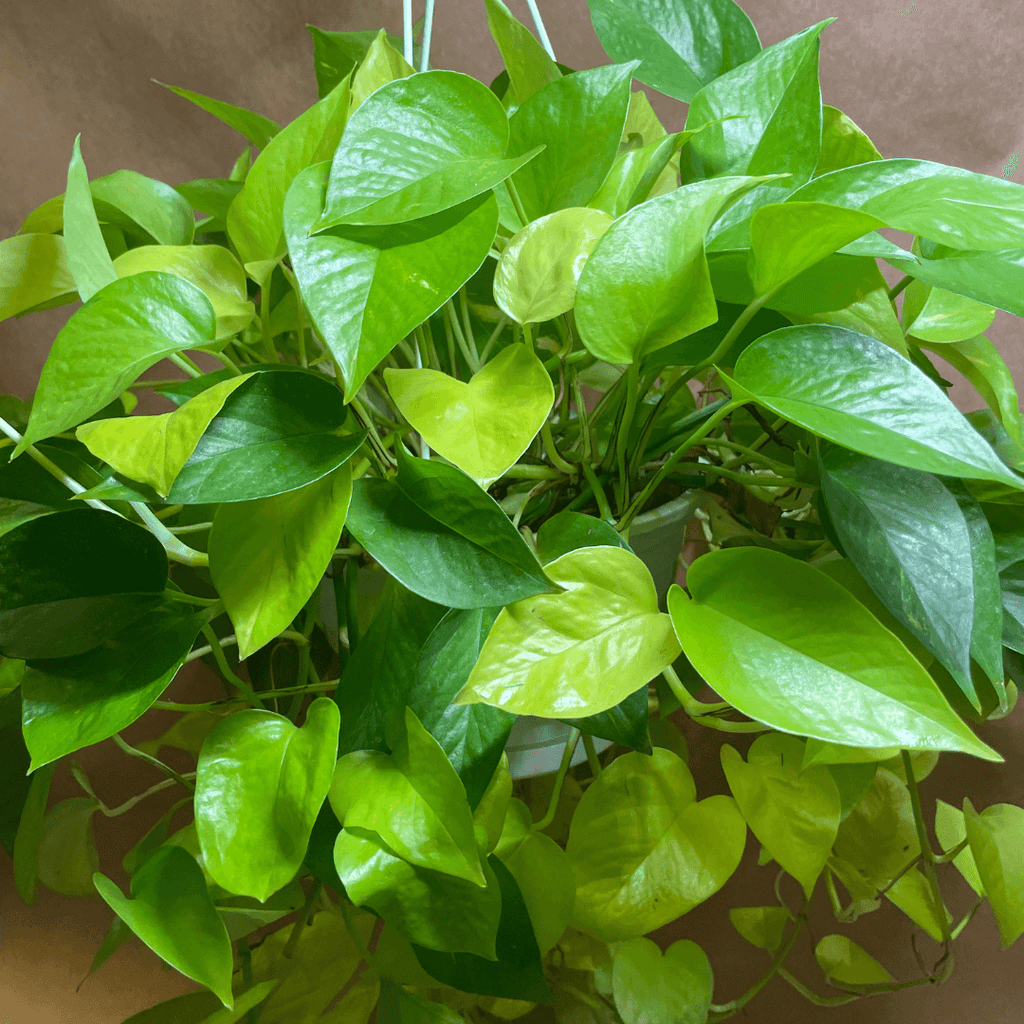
383, 63
997, 844
484, 425
568, 531
651, 988
268, 556
951, 831
88, 258
683, 47
141, 319
412, 798
70, 580
528, 64
793, 649
843, 143
260, 785
404, 156
793, 812
74, 702
34, 270
579, 652
644, 851
335, 54
170, 910
368, 287
858, 392
443, 537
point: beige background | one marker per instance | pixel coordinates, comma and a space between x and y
937, 83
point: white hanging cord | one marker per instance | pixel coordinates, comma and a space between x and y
428, 25
541, 31
407, 29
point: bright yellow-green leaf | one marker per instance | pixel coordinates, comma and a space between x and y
67, 849
536, 277
187, 733
644, 852
951, 831
945, 317
843, 144
489, 815
579, 652
34, 270
653, 989
382, 64
842, 959
482, 426
763, 927
912, 893
787, 238
997, 843
86, 248
211, 267
267, 556
529, 66
922, 762
152, 449
641, 120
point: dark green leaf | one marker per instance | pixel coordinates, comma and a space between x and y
570, 530
191, 1008
14, 761
70, 580
625, 724
335, 54
517, 973
30, 833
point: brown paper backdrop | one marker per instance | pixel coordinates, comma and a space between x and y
937, 81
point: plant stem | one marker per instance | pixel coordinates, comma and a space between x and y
177, 595
704, 714
176, 550
701, 432
622, 437
470, 356
300, 308
186, 364
757, 480
161, 705
595, 486
228, 364
541, 31
523, 472
813, 997
549, 446
352, 603
556, 793
312, 607
730, 338
268, 341
752, 456
428, 27
899, 286
194, 528
154, 761
517, 203
225, 668
495, 334
592, 759
300, 926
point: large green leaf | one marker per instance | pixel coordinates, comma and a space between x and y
568, 531
644, 852
399, 1006
383, 63
335, 54
536, 277
517, 973
843, 143
529, 66
778, 130
405, 156
578, 119
647, 283
858, 392
255, 219
171, 911
788, 646
260, 785
579, 652
153, 449
283, 429
433, 909
268, 556
141, 319
950, 205
927, 552
70, 580
996, 836
443, 537
682, 46
259, 130
793, 812
34, 270
484, 425
71, 703
88, 258
939, 316
412, 798
211, 268
368, 287
649, 987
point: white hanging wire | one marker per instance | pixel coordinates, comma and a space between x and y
407, 29
541, 31
428, 25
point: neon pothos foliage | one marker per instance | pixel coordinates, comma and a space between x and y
455, 366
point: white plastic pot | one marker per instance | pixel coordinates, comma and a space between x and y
535, 745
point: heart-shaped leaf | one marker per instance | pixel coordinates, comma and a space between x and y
67, 848
579, 652
643, 851
536, 277
74, 702
653, 989
268, 556
405, 156
34, 271
171, 911
382, 63
211, 268
435, 910
997, 843
87, 252
260, 785
482, 426
683, 47
568, 531
943, 317
142, 319
842, 959
840, 676
153, 449
70, 580
437, 830
646, 283
951, 831
793, 812
858, 392
368, 287
763, 927
255, 218
444, 538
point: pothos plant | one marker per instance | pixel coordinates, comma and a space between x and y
468, 335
